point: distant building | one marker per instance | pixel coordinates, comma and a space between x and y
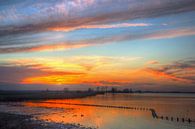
126, 90
90, 90
114, 90
66, 90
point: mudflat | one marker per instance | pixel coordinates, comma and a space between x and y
15, 121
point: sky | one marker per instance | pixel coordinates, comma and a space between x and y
138, 44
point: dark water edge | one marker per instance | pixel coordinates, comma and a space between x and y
15, 121
11, 96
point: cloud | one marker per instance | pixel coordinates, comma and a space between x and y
83, 13
25, 25
103, 26
16, 73
67, 70
46, 47
159, 73
172, 33
97, 71
152, 62
98, 41
182, 71
72, 63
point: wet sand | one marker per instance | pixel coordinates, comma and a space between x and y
14, 121
18, 121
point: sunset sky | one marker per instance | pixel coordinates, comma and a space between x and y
139, 44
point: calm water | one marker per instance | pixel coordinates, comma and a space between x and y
170, 105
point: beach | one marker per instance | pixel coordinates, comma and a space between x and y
23, 120
15, 121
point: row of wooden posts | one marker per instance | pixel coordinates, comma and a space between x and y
154, 114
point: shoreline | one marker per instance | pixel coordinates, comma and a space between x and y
19, 96
15, 121
23, 121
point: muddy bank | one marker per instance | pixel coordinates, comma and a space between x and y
14, 121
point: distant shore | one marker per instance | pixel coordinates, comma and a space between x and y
12, 96
6, 96
14, 121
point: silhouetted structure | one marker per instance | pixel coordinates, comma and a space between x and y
90, 90
114, 90
97, 89
66, 89
126, 90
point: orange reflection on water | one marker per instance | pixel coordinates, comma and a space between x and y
86, 115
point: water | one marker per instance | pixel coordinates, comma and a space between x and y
166, 105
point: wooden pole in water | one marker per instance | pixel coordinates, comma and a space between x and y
189, 120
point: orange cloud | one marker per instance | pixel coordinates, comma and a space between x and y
166, 75
93, 70
99, 71
152, 62
52, 79
46, 47
103, 26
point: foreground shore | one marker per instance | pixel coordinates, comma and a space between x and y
18, 121
14, 121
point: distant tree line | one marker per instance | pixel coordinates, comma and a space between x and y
112, 90
105, 89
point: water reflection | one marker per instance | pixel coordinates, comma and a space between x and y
112, 118
93, 116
